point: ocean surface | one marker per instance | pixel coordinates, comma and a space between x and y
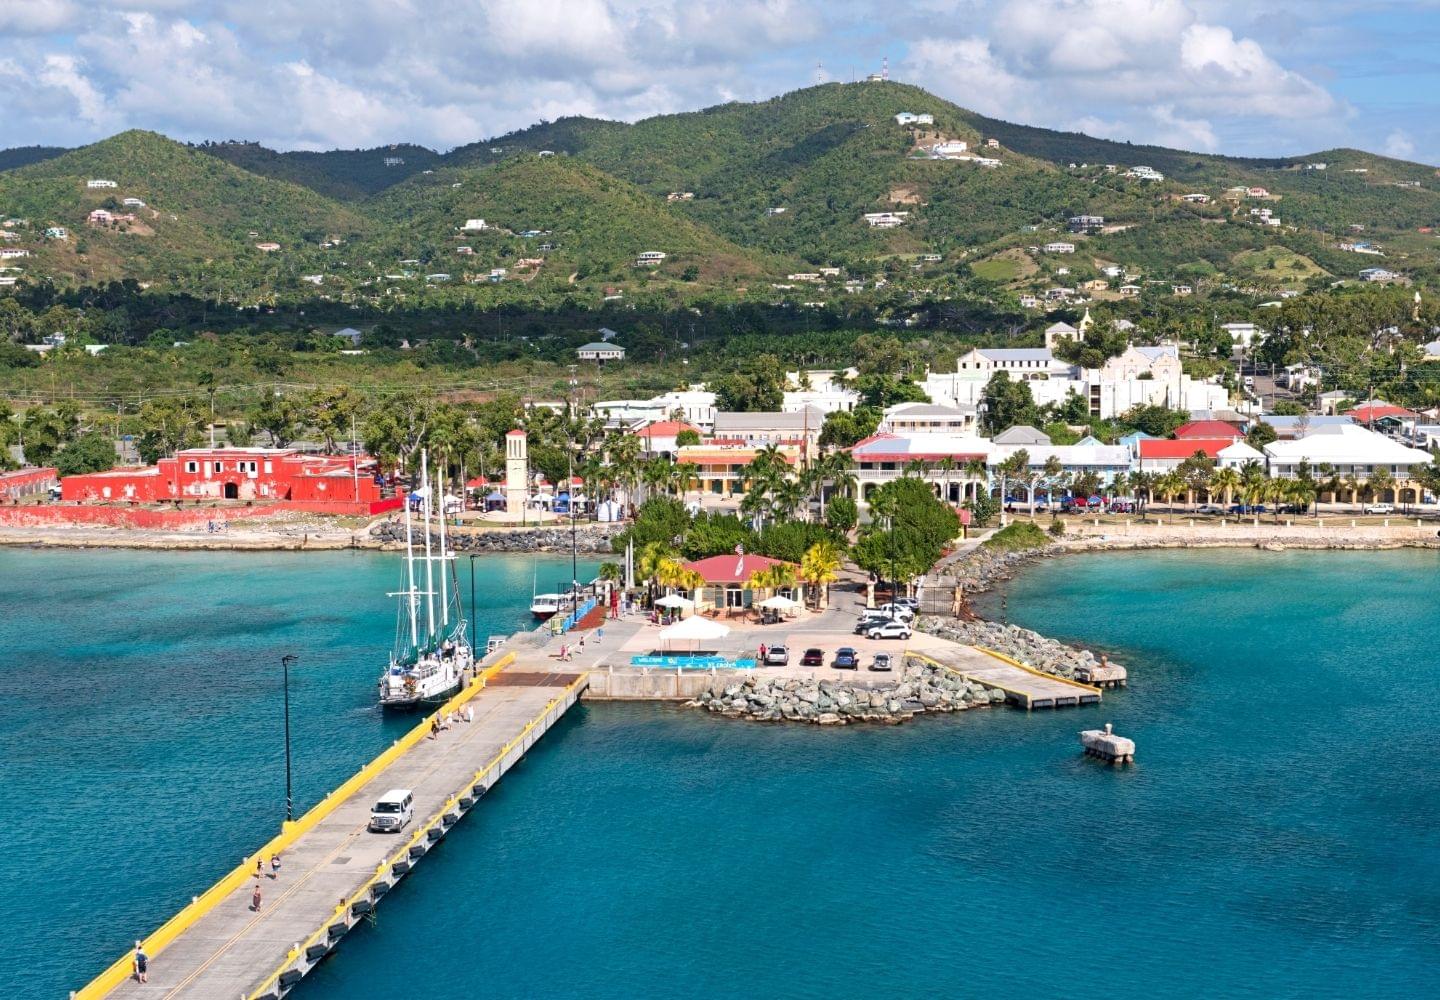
1278, 837
142, 724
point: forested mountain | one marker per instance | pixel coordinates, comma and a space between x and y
592, 224
21, 156
343, 174
199, 215
759, 190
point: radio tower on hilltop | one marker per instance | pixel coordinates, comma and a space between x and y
819, 73
885, 69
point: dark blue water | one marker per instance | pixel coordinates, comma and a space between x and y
1279, 837
142, 726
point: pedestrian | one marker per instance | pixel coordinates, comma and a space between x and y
762, 652
564, 651
599, 633
259, 867
434, 726
582, 642
255, 898
142, 964
274, 866
469, 713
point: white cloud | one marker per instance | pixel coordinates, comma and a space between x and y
311, 73
1399, 145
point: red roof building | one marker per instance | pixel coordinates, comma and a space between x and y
26, 482
1208, 429
660, 437
1368, 413
732, 569
1159, 455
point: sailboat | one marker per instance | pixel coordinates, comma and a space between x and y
432, 649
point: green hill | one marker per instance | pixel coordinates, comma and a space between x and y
596, 224
342, 174
21, 156
201, 216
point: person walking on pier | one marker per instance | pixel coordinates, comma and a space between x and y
274, 866
255, 898
142, 964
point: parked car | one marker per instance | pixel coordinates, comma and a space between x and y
1379, 508
881, 663
1210, 508
895, 610
777, 656
812, 657
846, 659
913, 603
890, 630
1251, 508
870, 621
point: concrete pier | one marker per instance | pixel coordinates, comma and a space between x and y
334, 871
1024, 687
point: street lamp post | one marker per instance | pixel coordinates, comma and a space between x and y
285, 662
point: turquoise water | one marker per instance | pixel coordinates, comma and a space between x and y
1278, 837
142, 724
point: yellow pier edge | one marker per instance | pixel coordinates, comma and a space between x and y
404, 851
198, 907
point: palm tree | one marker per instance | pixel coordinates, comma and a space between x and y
819, 567
1224, 482
1382, 481
1303, 493
1170, 485
977, 470
1252, 481
1352, 485
649, 560
1012, 468
1143, 483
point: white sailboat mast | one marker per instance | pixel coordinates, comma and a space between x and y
444, 556
429, 558
410, 595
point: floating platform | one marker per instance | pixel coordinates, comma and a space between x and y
1105, 745
1024, 687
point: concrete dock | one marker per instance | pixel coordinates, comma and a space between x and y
335, 871
1023, 687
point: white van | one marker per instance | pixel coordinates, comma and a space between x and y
392, 811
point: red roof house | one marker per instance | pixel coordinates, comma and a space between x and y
732, 568
1159, 455
1368, 413
1204, 429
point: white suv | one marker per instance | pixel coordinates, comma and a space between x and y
890, 630
1379, 508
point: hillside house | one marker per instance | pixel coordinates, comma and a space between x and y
99, 183
1143, 173
1196, 198
1057, 332
885, 220
950, 149
992, 143
650, 258
776, 210
13, 253
1379, 274
132, 203
1256, 192
1029, 302
394, 161
267, 246
57, 233
1129, 291
680, 196
1095, 285
1059, 246
1086, 223
600, 351
1181, 290
474, 226
1243, 335
351, 334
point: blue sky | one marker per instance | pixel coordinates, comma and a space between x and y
1257, 78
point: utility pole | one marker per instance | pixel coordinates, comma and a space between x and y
285, 662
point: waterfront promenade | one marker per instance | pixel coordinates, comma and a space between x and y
333, 870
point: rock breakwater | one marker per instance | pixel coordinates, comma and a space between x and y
588, 538
1030, 648
918, 687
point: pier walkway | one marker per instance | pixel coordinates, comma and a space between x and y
333, 869
1023, 686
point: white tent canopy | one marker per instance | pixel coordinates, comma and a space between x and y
674, 601
779, 603
694, 630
